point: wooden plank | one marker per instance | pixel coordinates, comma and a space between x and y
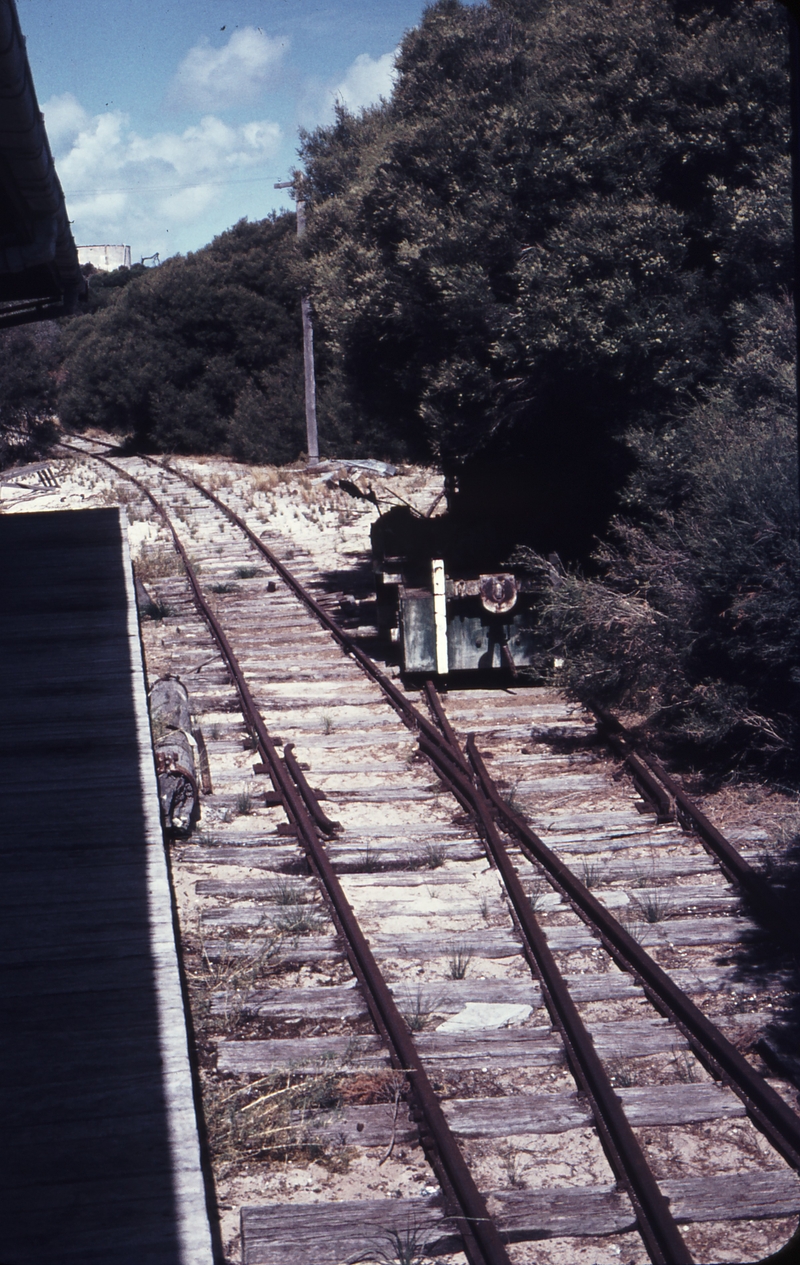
565, 939
735, 1196
522, 1114
335, 1233
95, 1086
626, 869
484, 942
657, 1105
448, 997
364, 857
350, 727
510, 1047
383, 795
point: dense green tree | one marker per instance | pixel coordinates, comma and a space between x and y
203, 354
693, 619
558, 260
28, 377
544, 238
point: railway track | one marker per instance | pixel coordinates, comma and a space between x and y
550, 1020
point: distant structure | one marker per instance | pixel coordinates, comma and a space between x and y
105, 258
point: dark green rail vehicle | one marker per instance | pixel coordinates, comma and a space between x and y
443, 605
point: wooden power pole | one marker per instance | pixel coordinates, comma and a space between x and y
312, 440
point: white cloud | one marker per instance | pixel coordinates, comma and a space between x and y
211, 78
65, 119
367, 80
121, 186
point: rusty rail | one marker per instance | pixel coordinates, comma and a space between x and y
482, 1240
655, 1223
723, 851
765, 1107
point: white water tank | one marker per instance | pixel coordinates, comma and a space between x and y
105, 258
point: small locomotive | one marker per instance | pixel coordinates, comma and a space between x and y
449, 595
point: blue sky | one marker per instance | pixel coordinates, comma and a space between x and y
170, 121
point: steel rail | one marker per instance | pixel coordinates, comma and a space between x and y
321, 820
764, 1106
655, 1223
657, 1227
482, 1240
407, 711
723, 851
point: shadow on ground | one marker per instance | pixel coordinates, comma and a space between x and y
769, 958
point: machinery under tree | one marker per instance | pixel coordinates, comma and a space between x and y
448, 594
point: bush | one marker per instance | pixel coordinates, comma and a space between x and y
203, 354
693, 615
28, 375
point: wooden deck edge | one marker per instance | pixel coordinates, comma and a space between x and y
193, 1229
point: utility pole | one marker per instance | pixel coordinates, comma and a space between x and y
312, 440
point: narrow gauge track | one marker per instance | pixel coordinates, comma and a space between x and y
477, 793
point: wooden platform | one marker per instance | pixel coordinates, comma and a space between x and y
100, 1159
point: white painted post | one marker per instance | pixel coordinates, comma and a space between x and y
440, 615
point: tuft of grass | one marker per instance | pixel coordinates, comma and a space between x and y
685, 1067
640, 879
621, 1071
367, 862
247, 573
244, 803
402, 1247
369, 1088
157, 560
267, 1119
510, 796
224, 587
299, 920
328, 724
538, 887
284, 892
230, 975
653, 907
631, 919
460, 958
206, 840
513, 1166
418, 1009
590, 873
434, 856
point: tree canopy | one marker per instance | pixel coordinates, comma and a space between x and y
200, 355
545, 238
